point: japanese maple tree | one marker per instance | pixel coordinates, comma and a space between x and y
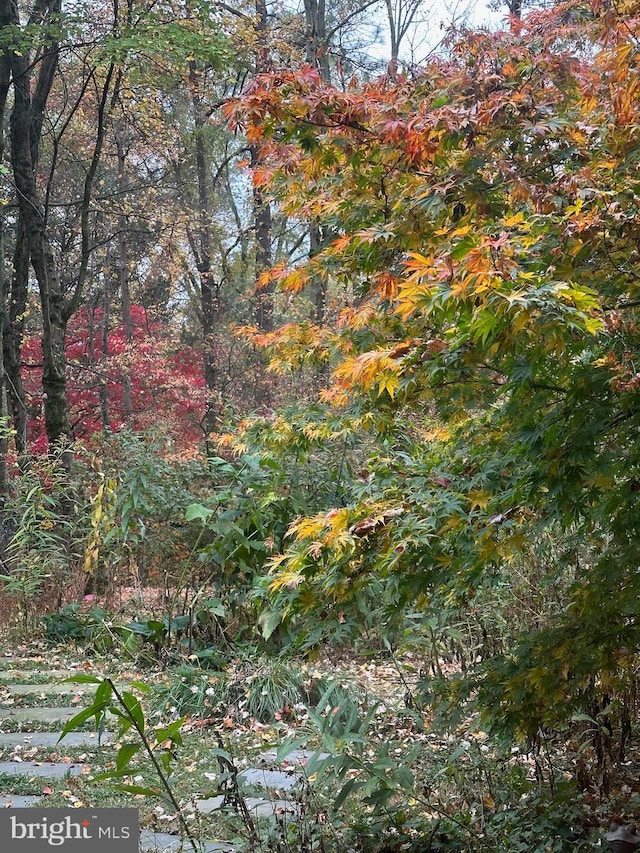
484, 287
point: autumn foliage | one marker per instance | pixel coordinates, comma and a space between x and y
164, 375
484, 278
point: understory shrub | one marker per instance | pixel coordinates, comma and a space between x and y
46, 522
261, 688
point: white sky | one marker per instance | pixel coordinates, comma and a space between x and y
439, 15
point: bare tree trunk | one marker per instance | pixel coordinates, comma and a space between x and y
26, 128
123, 274
264, 259
14, 335
5, 74
317, 47
104, 355
401, 14
317, 53
515, 8
4, 417
202, 246
318, 287
261, 207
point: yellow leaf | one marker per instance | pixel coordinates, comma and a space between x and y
388, 382
417, 262
288, 580
454, 522
516, 219
478, 499
308, 528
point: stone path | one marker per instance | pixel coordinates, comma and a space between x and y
258, 806
15, 801
50, 739
39, 714
53, 689
163, 842
42, 769
269, 790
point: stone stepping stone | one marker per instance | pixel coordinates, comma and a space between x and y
257, 806
52, 689
27, 664
163, 842
272, 779
41, 769
8, 801
46, 739
38, 714
299, 757
17, 675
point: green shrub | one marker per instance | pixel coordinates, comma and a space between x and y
47, 519
263, 689
70, 623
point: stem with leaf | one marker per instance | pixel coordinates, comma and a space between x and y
131, 715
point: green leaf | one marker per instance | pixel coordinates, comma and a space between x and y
141, 686
171, 732
134, 710
269, 621
104, 692
462, 248
288, 746
82, 679
344, 793
215, 606
582, 718
136, 789
223, 753
125, 721
125, 754
198, 512
96, 710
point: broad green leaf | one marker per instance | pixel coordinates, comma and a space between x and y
82, 678
198, 512
125, 754
96, 711
134, 709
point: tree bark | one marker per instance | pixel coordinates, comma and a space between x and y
26, 129
202, 247
316, 43
104, 354
123, 274
14, 334
261, 208
5, 74
317, 53
400, 14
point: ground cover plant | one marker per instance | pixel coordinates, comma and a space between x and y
377, 774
